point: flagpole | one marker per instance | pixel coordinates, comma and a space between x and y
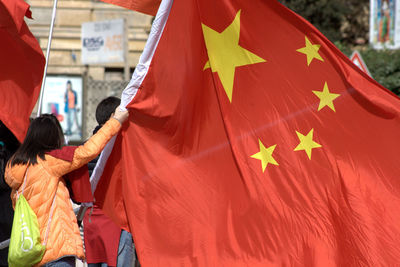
53, 18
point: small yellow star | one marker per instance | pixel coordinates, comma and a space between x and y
326, 98
225, 53
265, 155
311, 51
307, 143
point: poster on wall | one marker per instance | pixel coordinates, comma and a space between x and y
385, 24
103, 42
62, 97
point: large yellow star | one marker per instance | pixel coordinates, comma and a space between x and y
326, 98
265, 155
306, 143
311, 51
225, 53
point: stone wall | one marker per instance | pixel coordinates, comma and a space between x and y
96, 91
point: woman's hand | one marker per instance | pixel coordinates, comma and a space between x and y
120, 115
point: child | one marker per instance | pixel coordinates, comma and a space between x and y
105, 243
44, 182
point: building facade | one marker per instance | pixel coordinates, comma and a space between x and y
100, 80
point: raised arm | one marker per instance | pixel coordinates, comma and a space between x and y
88, 151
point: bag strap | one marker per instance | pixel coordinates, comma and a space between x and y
51, 209
51, 216
23, 183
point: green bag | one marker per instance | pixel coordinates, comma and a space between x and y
26, 248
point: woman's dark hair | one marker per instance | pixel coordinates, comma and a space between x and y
8, 145
44, 134
105, 108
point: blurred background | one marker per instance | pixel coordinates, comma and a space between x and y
88, 49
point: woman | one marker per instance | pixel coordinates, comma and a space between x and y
44, 182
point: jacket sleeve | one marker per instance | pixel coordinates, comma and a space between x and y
88, 151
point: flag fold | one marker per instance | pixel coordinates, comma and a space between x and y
22, 66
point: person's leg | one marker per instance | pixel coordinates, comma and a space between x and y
63, 262
125, 250
75, 120
69, 122
135, 261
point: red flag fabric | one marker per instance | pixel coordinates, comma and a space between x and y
253, 141
148, 7
21, 69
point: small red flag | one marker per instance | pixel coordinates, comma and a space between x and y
253, 141
148, 7
21, 68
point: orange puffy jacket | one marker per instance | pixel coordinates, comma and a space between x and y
44, 181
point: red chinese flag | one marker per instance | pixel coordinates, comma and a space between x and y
253, 141
21, 68
148, 7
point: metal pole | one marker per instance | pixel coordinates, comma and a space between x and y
126, 51
53, 18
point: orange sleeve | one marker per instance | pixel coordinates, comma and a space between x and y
88, 151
